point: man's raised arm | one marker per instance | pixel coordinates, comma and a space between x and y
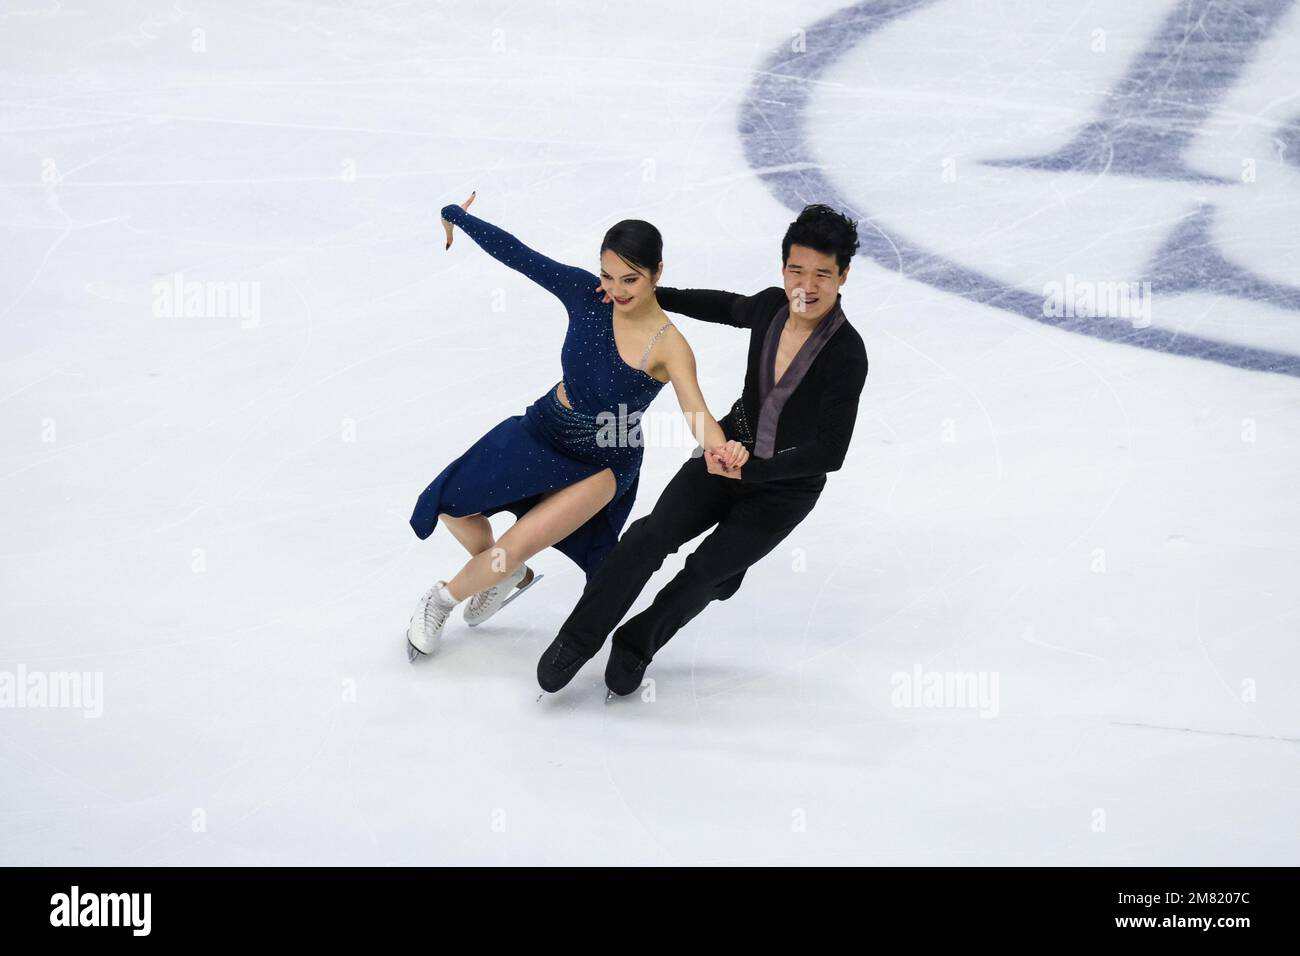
726, 308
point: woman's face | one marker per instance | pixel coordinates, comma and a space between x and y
628, 285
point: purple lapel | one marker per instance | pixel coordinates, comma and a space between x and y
772, 395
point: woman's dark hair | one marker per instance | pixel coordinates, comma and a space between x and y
821, 228
636, 242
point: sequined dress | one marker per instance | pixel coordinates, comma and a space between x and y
550, 446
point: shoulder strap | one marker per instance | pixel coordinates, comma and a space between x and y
646, 355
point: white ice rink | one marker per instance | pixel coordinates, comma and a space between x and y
208, 513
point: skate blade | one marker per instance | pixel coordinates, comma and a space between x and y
413, 653
519, 591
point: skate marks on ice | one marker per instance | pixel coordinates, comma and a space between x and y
1287, 142
1146, 125
1210, 733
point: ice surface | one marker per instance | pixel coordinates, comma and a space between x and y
211, 513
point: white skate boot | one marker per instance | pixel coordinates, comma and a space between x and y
487, 602
424, 633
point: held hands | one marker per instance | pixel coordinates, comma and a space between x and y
726, 460
465, 205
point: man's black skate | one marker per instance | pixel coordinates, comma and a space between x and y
625, 670
559, 664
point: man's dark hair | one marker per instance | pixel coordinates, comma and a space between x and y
637, 243
821, 228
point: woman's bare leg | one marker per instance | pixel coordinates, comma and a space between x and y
474, 532
552, 519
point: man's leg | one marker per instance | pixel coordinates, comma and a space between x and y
692, 502
754, 526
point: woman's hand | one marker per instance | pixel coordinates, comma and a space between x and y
716, 466
733, 454
465, 205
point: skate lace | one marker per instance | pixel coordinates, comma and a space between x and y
478, 601
565, 656
435, 612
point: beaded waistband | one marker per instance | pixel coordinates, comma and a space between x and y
602, 437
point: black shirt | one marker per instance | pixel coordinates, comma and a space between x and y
813, 432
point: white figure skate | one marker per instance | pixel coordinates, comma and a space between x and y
487, 602
424, 633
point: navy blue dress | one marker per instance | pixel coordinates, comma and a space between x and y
550, 446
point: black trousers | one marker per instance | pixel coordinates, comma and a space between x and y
751, 520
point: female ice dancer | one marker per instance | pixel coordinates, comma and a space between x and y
568, 467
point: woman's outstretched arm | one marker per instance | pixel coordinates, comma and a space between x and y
679, 360
556, 277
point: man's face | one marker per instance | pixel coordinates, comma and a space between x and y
812, 280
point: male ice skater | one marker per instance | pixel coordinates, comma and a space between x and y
795, 416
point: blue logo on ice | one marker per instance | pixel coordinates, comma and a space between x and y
1144, 129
